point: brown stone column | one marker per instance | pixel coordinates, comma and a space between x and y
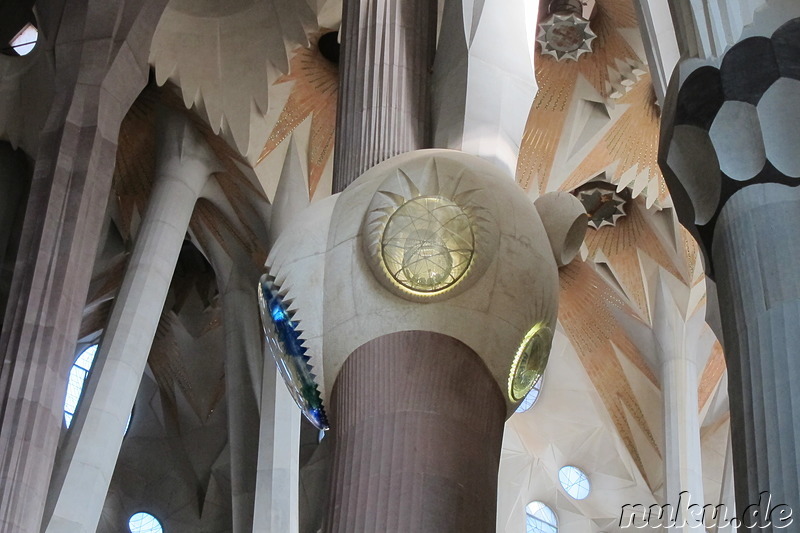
384, 97
417, 427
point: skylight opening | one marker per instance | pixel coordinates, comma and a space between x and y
540, 518
574, 482
77, 379
531, 397
144, 523
25, 40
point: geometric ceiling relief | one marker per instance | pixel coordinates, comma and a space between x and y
602, 202
588, 311
711, 376
136, 159
557, 83
315, 94
565, 36
190, 375
224, 54
571, 425
630, 147
622, 247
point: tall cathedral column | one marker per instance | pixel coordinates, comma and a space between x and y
384, 101
101, 48
183, 167
418, 425
416, 308
731, 157
683, 465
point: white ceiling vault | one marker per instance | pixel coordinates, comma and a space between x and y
246, 66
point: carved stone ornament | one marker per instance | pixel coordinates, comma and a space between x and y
429, 231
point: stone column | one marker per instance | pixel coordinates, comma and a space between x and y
104, 44
417, 428
182, 169
14, 180
387, 52
277, 482
731, 158
683, 465
243, 372
682, 452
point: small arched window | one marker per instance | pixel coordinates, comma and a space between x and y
144, 523
540, 518
77, 378
24, 41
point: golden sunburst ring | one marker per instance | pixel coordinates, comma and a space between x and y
427, 244
529, 361
429, 232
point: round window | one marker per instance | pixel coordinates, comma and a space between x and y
144, 523
428, 244
574, 482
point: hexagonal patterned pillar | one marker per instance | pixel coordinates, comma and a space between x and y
731, 156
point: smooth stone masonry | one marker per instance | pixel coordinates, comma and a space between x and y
182, 169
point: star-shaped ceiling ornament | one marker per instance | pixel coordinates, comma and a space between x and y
565, 36
604, 206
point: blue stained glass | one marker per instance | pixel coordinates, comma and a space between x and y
287, 349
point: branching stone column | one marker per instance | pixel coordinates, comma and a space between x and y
182, 169
387, 52
236, 275
277, 492
683, 463
104, 44
732, 157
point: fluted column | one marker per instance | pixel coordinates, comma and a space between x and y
756, 253
417, 428
384, 101
731, 161
182, 169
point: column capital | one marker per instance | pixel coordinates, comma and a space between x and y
181, 150
728, 125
